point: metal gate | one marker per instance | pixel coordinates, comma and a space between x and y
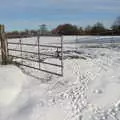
35, 53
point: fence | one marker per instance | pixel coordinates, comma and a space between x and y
30, 52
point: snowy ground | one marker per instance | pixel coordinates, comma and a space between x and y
89, 89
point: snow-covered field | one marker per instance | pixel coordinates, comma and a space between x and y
89, 89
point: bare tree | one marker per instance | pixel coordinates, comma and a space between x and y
116, 25
117, 21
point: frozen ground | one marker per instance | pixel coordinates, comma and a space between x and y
89, 89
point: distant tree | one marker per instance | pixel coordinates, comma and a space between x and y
116, 26
66, 29
81, 31
43, 29
117, 21
27, 31
33, 32
13, 34
88, 30
98, 28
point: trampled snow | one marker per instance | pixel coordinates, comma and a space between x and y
89, 89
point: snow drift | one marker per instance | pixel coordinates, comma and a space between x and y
89, 89
11, 82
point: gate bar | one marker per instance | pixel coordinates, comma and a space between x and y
37, 61
39, 69
31, 52
34, 45
39, 49
62, 55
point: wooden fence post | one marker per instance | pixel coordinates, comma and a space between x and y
4, 47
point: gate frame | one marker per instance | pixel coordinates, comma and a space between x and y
38, 54
5, 52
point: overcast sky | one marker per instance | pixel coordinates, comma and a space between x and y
23, 14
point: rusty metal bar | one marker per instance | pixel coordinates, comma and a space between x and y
21, 49
32, 52
37, 61
27, 36
27, 44
62, 55
40, 69
39, 49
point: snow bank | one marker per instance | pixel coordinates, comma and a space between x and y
11, 82
89, 89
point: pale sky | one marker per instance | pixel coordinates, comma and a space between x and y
29, 14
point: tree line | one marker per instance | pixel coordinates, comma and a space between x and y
69, 29
97, 29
